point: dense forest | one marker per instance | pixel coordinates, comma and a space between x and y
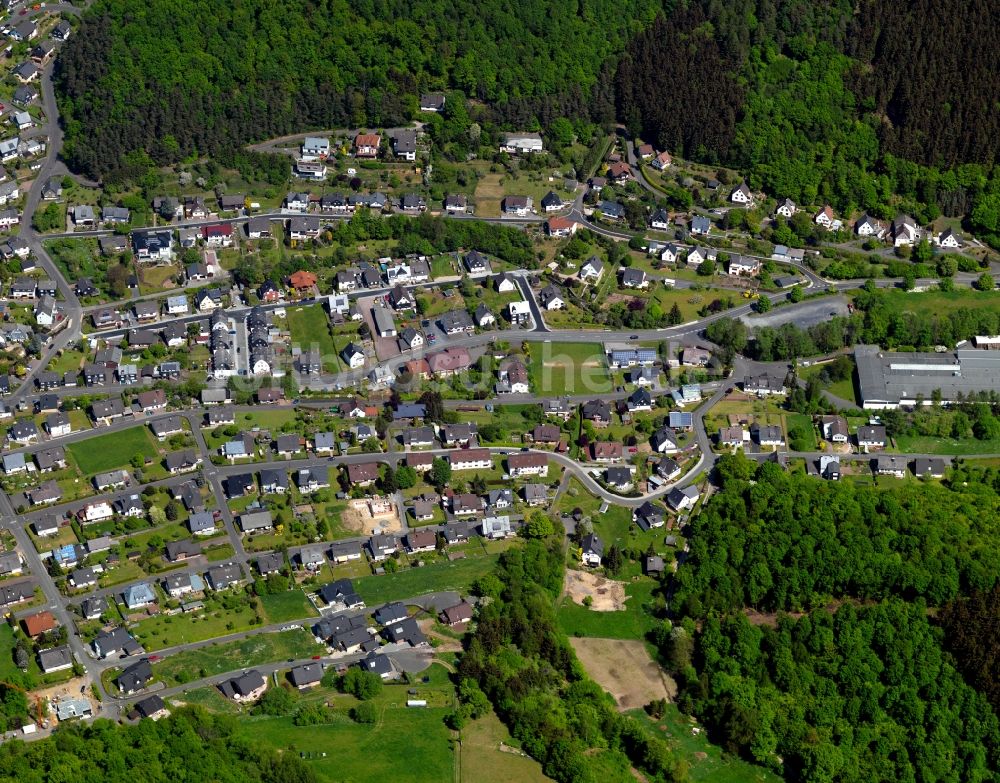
860, 688
829, 102
190, 745
525, 665
875, 107
163, 80
861, 695
972, 634
789, 542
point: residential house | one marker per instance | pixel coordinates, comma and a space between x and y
433, 102
763, 385
496, 527
366, 145
928, 467
256, 521
550, 298
741, 194
834, 429
682, 499
519, 206
890, 465
743, 266
611, 210
246, 688
521, 143
732, 437
620, 478
664, 441
871, 436
786, 208
592, 269
527, 464
591, 550
363, 474
559, 227
466, 504
767, 434
597, 412
471, 459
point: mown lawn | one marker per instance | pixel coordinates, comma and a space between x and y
928, 444
113, 450
290, 605
310, 326
410, 582
568, 368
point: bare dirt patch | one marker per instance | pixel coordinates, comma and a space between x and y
77, 688
371, 514
606, 594
624, 669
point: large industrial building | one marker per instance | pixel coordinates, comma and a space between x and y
888, 380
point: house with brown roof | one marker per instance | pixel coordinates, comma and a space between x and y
419, 461
154, 400
421, 541
459, 614
363, 474
302, 280
527, 464
605, 451
546, 433
450, 361
37, 624
366, 145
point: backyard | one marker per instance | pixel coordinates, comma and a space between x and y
310, 327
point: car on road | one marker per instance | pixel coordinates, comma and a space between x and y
633, 337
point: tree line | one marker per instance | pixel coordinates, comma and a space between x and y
852, 683
189, 745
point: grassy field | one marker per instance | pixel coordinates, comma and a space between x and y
156, 633
483, 761
928, 444
229, 656
633, 623
574, 368
411, 582
491, 189
706, 762
310, 327
114, 450
404, 744
210, 698
931, 303
291, 605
